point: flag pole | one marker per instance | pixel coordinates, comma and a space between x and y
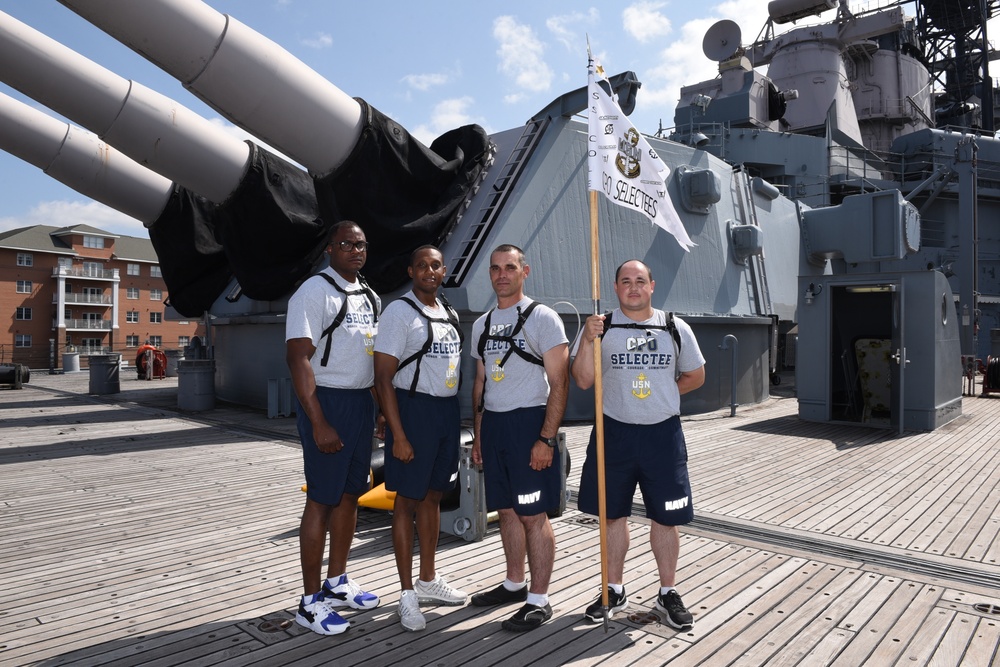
595, 289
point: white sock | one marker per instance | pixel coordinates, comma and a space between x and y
617, 588
666, 589
538, 599
512, 586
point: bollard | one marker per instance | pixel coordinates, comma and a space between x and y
730, 338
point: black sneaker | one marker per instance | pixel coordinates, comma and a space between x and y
527, 617
616, 602
677, 614
499, 595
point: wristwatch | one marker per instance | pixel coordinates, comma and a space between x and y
551, 442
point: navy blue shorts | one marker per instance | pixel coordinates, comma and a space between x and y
433, 427
654, 456
330, 476
507, 439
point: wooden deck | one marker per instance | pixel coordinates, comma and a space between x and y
132, 534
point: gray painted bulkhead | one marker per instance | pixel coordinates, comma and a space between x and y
547, 215
830, 383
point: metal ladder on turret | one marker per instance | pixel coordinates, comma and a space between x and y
758, 274
489, 213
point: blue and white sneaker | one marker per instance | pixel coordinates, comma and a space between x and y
346, 593
315, 613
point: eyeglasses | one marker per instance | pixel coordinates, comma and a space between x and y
347, 246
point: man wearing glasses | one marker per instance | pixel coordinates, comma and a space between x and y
329, 336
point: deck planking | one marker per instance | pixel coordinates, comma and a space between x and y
172, 540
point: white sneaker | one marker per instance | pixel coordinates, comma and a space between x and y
439, 591
409, 612
319, 617
345, 592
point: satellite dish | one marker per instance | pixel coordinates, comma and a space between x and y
722, 41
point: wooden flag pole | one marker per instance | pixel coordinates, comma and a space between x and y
595, 289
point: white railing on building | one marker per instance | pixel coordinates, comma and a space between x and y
85, 272
87, 350
83, 298
101, 325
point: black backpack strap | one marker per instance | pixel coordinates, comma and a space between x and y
669, 326
451, 319
370, 295
481, 347
452, 315
342, 312
512, 348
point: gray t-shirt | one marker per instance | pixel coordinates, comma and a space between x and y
402, 331
313, 308
519, 383
637, 368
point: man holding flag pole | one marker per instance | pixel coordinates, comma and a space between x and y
651, 358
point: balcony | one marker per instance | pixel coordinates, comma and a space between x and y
88, 350
89, 325
85, 272
90, 299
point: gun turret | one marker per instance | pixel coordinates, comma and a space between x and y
366, 167
79, 159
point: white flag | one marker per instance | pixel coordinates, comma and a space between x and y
623, 165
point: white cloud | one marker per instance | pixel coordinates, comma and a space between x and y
447, 115
320, 41
521, 55
562, 27
682, 62
67, 213
644, 22
424, 82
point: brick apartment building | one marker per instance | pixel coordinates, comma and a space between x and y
79, 288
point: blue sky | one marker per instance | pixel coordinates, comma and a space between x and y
432, 66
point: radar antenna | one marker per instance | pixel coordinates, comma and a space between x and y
722, 41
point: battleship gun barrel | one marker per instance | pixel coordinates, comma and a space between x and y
79, 159
152, 129
246, 77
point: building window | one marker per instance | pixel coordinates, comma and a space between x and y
23, 314
183, 341
93, 241
24, 287
131, 292
93, 269
131, 341
68, 313
156, 341
65, 262
22, 340
154, 271
132, 317
155, 318
132, 269
25, 259
156, 295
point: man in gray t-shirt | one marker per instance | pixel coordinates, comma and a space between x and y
522, 381
648, 359
330, 327
417, 357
